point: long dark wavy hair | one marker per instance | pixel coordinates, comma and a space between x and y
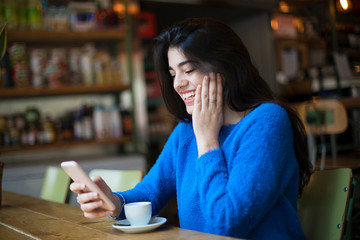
208, 42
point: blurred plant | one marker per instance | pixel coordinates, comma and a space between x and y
3, 41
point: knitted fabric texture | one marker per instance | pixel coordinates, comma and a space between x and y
247, 188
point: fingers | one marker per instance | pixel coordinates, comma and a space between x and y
91, 205
101, 184
77, 187
213, 90
205, 93
90, 202
197, 104
97, 214
94, 209
87, 197
208, 113
219, 90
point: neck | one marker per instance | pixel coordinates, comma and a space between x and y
231, 116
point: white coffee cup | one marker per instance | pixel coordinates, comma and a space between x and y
138, 213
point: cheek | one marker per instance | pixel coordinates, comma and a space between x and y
198, 79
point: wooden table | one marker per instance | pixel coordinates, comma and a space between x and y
25, 217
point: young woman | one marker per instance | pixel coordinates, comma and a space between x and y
237, 159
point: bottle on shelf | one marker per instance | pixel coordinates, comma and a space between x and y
34, 13
14, 134
10, 14
77, 124
99, 117
87, 60
115, 122
75, 74
67, 132
19, 64
86, 122
56, 68
48, 131
126, 120
125, 113
38, 61
32, 116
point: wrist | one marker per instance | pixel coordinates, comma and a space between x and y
118, 205
206, 147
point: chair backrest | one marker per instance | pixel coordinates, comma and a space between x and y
118, 180
55, 185
330, 114
324, 204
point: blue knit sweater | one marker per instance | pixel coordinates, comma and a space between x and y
246, 188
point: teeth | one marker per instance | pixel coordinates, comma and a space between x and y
188, 95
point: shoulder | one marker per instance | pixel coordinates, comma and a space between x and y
269, 111
181, 130
269, 115
270, 108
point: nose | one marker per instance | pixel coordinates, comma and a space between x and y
179, 82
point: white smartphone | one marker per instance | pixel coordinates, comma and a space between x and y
77, 174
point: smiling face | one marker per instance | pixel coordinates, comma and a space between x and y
186, 77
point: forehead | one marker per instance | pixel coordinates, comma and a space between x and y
176, 57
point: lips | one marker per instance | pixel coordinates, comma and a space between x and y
188, 96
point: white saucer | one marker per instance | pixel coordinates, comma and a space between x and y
123, 225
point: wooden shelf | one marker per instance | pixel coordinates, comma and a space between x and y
116, 41
34, 36
58, 145
63, 90
351, 52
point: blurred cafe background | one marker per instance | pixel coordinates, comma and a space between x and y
78, 82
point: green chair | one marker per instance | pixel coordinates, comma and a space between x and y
55, 185
325, 205
118, 180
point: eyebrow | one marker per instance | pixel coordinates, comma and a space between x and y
182, 64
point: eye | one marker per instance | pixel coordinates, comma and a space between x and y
189, 71
172, 75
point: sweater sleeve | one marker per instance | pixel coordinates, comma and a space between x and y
159, 184
237, 193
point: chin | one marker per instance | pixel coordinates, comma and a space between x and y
190, 110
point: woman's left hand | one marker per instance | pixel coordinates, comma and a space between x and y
91, 203
207, 116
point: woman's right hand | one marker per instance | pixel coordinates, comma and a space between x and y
91, 203
208, 113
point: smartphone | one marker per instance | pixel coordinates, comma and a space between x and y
77, 174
